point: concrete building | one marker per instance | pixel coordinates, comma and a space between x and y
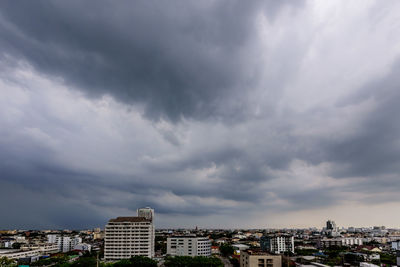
277, 244
398, 258
83, 247
45, 248
339, 242
64, 243
254, 258
147, 213
396, 245
30, 251
352, 241
188, 246
130, 236
239, 247
99, 235
331, 225
326, 243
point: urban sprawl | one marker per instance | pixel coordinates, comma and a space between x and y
134, 241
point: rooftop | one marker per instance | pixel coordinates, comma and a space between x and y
130, 219
258, 252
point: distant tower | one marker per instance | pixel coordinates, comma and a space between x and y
147, 213
330, 225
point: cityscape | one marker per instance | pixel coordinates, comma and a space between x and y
200, 133
135, 241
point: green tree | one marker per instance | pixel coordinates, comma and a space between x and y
198, 261
85, 262
123, 263
136, 261
16, 245
160, 244
6, 262
226, 250
235, 262
388, 259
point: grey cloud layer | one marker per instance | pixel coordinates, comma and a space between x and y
183, 58
198, 109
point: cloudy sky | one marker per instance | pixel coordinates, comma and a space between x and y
215, 113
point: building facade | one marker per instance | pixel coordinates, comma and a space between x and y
253, 258
129, 236
277, 244
188, 246
64, 243
339, 242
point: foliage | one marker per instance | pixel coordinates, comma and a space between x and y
334, 261
123, 263
58, 261
84, 262
334, 251
235, 262
226, 250
160, 244
198, 261
353, 258
388, 259
6, 262
137, 261
16, 245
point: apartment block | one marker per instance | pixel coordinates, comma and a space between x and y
130, 236
277, 244
64, 243
188, 246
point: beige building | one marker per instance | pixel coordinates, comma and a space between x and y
256, 258
130, 236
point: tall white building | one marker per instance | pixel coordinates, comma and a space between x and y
64, 243
130, 236
277, 244
188, 246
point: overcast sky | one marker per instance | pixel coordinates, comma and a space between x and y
215, 113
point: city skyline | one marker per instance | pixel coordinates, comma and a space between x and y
217, 114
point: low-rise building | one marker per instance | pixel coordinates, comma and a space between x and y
188, 246
44, 248
83, 247
257, 258
331, 242
64, 243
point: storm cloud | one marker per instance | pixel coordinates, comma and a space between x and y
215, 113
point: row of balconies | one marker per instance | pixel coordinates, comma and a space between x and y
126, 252
126, 236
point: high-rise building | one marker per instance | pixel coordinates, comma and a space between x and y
130, 236
331, 225
188, 246
277, 244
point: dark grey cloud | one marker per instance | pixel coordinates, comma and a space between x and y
178, 58
372, 150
